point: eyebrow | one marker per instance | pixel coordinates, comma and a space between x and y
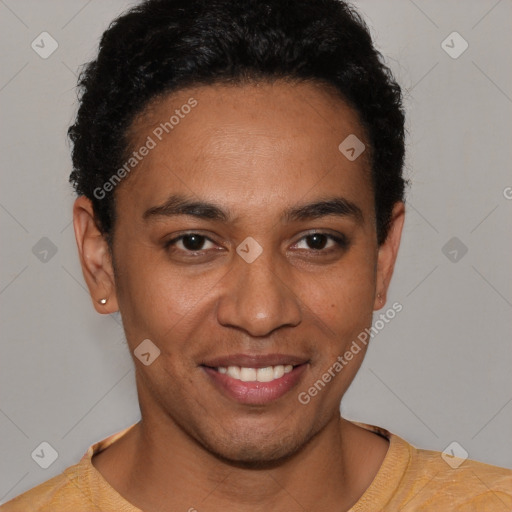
181, 205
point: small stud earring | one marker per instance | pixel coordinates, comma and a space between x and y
379, 296
102, 301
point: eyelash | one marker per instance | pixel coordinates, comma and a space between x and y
341, 242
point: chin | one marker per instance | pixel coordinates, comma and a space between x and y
256, 450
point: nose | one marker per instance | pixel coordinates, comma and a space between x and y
258, 300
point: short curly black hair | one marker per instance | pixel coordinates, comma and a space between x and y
161, 46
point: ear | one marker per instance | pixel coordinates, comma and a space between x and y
95, 257
387, 254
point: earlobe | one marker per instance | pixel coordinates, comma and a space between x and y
95, 257
387, 254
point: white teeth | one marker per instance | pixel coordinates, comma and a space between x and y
267, 374
278, 371
234, 371
247, 374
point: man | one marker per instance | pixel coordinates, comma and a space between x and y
239, 172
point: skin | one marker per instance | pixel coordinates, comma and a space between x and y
255, 151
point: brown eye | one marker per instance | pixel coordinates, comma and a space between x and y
192, 242
322, 242
316, 241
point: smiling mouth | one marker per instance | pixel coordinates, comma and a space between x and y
255, 380
247, 374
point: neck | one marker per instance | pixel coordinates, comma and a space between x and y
164, 469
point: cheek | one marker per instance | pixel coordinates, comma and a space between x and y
162, 302
343, 298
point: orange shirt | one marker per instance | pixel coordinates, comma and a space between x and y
408, 480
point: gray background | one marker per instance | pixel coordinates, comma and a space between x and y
439, 372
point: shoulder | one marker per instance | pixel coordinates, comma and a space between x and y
61, 493
412, 479
78, 488
435, 480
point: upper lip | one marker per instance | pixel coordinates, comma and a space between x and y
255, 361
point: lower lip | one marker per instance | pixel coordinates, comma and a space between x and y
255, 393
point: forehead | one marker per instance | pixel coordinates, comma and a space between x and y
247, 144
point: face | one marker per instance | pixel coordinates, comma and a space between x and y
245, 249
